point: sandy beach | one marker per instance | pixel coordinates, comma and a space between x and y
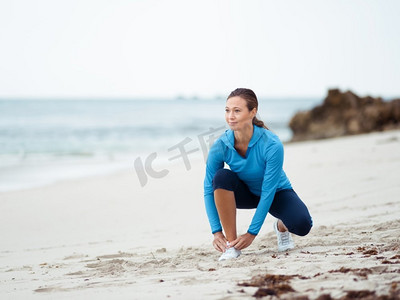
108, 237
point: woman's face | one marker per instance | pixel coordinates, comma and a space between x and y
237, 115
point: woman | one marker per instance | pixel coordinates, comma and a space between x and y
255, 180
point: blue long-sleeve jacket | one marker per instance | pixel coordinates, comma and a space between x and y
261, 170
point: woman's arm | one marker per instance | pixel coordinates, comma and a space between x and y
214, 163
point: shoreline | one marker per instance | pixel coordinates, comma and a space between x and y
106, 236
46, 173
33, 175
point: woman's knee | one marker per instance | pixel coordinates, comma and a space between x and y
302, 226
224, 179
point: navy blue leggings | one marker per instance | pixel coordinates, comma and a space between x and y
286, 206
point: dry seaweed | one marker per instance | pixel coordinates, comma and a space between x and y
267, 279
324, 297
360, 272
363, 294
371, 252
273, 290
271, 285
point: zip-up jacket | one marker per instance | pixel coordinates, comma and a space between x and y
260, 169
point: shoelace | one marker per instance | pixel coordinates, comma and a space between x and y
284, 237
230, 250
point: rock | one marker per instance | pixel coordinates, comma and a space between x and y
345, 114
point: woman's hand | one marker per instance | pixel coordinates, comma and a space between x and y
219, 242
243, 241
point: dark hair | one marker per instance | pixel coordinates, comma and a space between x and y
251, 102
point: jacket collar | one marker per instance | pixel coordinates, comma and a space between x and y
229, 138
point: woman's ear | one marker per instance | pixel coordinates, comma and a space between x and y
254, 112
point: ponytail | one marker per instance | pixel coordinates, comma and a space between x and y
259, 123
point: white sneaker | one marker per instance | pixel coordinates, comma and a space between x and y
285, 241
230, 253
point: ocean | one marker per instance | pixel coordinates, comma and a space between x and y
44, 141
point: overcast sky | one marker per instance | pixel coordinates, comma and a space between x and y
162, 48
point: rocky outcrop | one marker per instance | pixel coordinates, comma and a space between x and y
345, 114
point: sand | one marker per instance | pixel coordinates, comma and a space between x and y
107, 237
